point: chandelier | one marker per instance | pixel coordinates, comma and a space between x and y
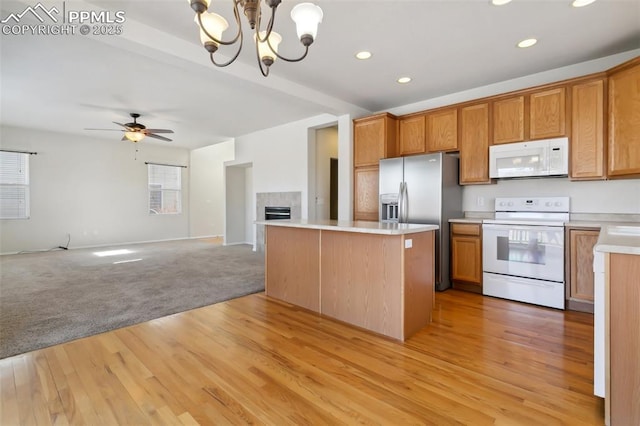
307, 16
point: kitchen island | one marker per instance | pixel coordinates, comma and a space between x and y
378, 276
617, 323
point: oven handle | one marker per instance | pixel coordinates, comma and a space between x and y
499, 227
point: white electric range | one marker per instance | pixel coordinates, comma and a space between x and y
523, 250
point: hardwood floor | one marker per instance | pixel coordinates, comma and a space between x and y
258, 361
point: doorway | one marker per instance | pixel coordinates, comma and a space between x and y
333, 190
239, 205
325, 188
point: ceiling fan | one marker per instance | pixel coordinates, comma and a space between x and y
135, 131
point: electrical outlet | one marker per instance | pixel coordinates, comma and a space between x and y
480, 201
408, 243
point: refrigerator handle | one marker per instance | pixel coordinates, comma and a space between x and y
403, 203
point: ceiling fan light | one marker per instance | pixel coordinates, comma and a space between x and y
307, 16
214, 24
134, 136
263, 47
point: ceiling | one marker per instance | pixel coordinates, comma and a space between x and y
158, 68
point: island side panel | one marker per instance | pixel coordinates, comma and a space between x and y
293, 266
624, 351
362, 280
419, 281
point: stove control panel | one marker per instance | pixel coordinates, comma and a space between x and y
534, 204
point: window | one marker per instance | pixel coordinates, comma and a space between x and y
165, 189
14, 185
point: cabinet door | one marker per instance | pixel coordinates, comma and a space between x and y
508, 120
466, 259
366, 193
547, 116
374, 138
442, 131
412, 135
474, 144
581, 243
587, 131
624, 122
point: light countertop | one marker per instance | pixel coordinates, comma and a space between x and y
353, 226
617, 238
466, 220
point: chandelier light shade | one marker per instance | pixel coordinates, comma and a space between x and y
267, 50
307, 17
214, 25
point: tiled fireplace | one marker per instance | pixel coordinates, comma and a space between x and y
292, 200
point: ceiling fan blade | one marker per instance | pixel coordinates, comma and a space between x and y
131, 129
108, 130
158, 131
162, 138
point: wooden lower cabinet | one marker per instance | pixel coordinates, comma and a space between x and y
466, 256
579, 288
366, 197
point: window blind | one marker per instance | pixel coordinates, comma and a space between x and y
14, 185
165, 189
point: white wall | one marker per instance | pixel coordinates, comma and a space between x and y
92, 189
280, 157
326, 149
207, 190
613, 196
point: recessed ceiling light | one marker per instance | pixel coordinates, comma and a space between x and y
404, 80
580, 3
363, 55
499, 2
527, 43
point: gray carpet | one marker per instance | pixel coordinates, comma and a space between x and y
53, 297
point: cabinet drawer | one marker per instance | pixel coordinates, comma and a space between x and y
465, 228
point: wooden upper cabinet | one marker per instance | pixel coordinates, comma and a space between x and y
365, 184
442, 130
624, 119
508, 120
474, 144
587, 131
374, 138
547, 114
412, 135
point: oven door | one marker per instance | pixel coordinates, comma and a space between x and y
524, 251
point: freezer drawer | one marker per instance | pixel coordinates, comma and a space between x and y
537, 292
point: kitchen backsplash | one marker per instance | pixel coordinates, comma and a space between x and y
613, 197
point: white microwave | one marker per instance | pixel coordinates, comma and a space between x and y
547, 157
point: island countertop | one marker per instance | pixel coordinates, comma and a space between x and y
364, 227
623, 239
